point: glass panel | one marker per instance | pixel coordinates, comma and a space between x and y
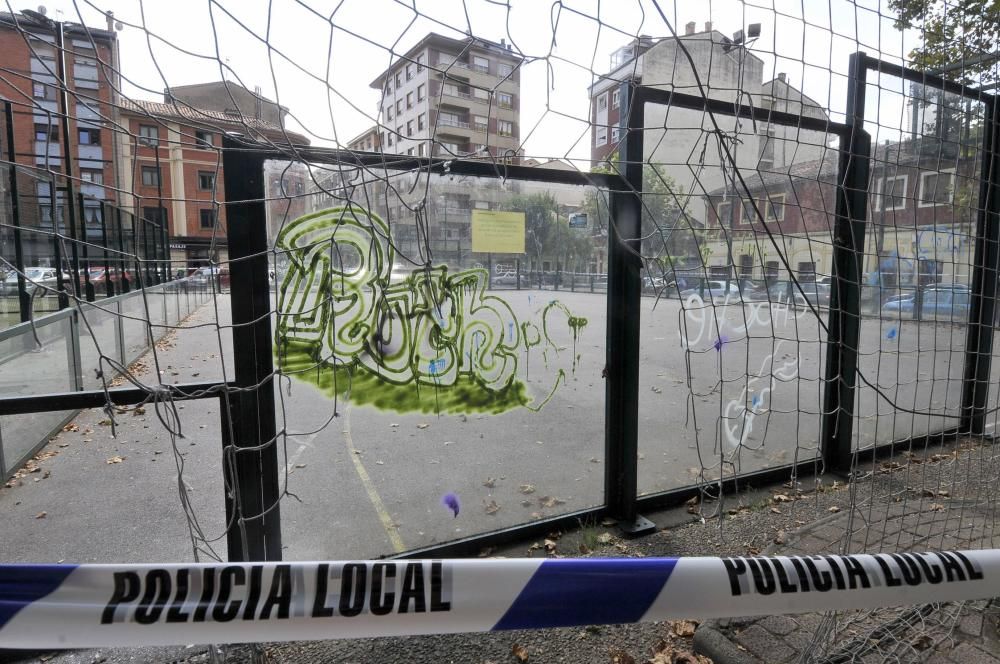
919, 250
735, 300
444, 385
27, 368
98, 332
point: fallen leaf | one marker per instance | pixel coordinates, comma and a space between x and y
527, 488
550, 501
684, 628
922, 642
394, 425
607, 522
780, 537
105, 423
422, 425
526, 503
935, 507
71, 427
619, 656
490, 483
300, 465
594, 460
492, 507
604, 538
550, 546
833, 509
41, 515
775, 510
115, 459
486, 552
520, 652
781, 498
139, 410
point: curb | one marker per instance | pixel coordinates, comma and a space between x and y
715, 645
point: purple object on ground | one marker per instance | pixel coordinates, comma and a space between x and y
450, 501
720, 342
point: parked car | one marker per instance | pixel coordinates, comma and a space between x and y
509, 279
35, 276
938, 302
714, 290
206, 275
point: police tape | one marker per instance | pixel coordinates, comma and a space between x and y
69, 606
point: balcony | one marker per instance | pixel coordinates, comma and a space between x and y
449, 122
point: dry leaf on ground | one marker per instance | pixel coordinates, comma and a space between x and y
115, 459
492, 507
619, 656
520, 652
527, 488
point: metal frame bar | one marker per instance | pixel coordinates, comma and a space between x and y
844, 330
100, 398
985, 272
256, 469
24, 300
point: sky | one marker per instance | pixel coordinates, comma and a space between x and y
318, 57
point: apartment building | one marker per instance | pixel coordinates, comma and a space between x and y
30, 54
451, 97
171, 161
681, 142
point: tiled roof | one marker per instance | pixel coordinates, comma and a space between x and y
213, 119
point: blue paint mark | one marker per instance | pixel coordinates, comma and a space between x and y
756, 401
720, 342
510, 330
891, 334
436, 366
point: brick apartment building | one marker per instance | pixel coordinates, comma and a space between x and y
171, 160
29, 53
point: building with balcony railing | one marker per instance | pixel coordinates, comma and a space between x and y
451, 97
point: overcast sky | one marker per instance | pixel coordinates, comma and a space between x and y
317, 57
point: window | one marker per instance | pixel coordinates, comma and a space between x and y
46, 133
381, 139
775, 206
154, 214
421, 89
90, 136
504, 69
505, 100
92, 176
891, 194
388, 114
601, 135
409, 151
480, 123
42, 91
85, 69
150, 176
615, 134
481, 64
767, 148
420, 150
505, 128
149, 135
449, 119
420, 63
409, 100
399, 132
409, 127
399, 80
724, 211
602, 102
203, 139
409, 72
206, 218
479, 93
399, 107
389, 139
206, 180
615, 101
421, 121
937, 188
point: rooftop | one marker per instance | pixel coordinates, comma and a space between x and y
459, 44
218, 120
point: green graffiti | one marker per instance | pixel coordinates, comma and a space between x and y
427, 342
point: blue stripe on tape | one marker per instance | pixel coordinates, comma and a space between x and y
20, 585
564, 593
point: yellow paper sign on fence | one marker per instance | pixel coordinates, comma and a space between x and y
497, 232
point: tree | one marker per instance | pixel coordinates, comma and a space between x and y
668, 236
547, 232
953, 31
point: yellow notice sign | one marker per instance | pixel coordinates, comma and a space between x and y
497, 232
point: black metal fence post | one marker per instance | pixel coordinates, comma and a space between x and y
624, 292
109, 287
24, 302
983, 304
848, 267
88, 288
257, 480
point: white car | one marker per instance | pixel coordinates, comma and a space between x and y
35, 276
715, 290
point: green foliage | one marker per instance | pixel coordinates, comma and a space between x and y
548, 235
952, 30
